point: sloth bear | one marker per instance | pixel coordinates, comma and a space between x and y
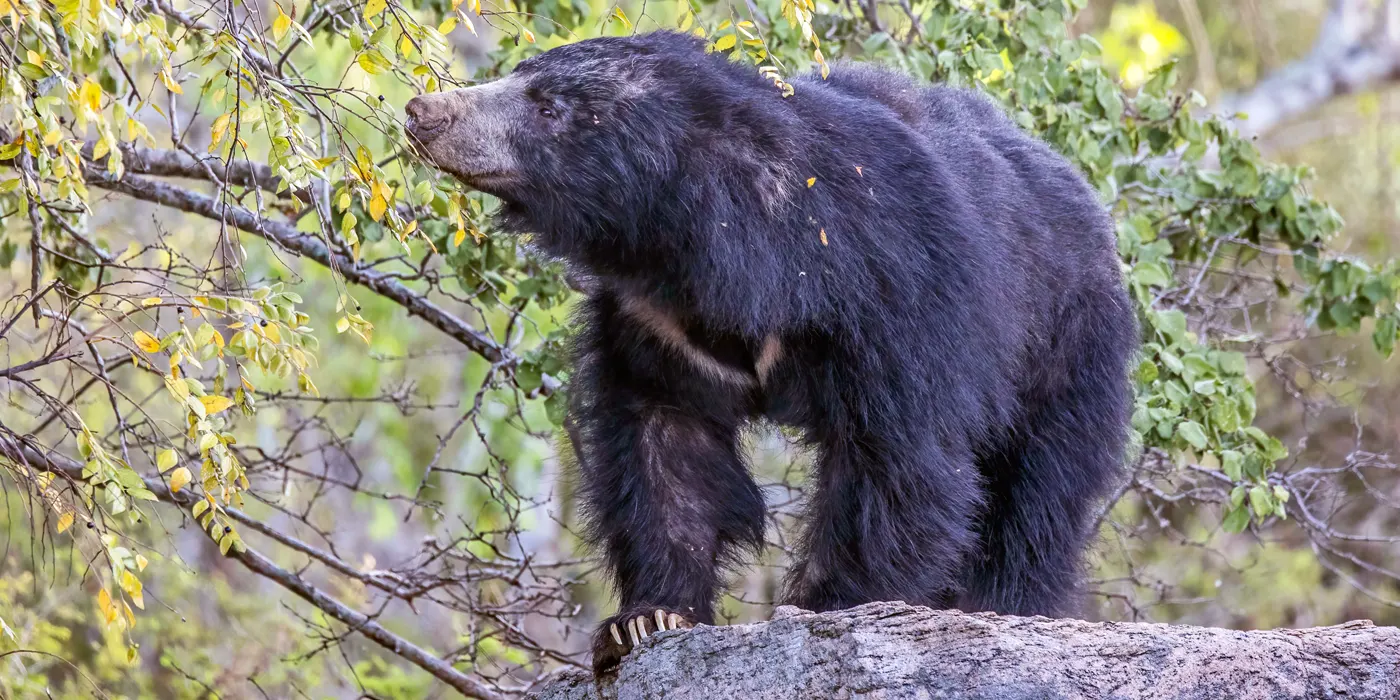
932, 297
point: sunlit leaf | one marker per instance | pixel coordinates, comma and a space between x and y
133, 588
281, 24
104, 604
179, 478
215, 404
146, 341
170, 83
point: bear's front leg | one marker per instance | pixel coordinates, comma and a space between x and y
670, 502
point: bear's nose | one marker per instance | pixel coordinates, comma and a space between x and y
428, 118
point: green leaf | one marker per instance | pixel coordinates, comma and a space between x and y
1384, 335
1231, 363
1236, 520
1193, 434
1106, 92
1147, 372
374, 62
1287, 206
1260, 502
1232, 464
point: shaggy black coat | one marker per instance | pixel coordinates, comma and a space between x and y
941, 314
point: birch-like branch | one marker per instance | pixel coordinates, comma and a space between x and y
1357, 48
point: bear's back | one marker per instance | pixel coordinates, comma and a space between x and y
1019, 186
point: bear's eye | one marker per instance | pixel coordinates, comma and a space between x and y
546, 112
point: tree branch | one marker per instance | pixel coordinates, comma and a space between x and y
1357, 48
288, 238
14, 450
163, 163
897, 650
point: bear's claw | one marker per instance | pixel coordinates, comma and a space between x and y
627, 631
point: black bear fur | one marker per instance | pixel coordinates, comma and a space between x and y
940, 313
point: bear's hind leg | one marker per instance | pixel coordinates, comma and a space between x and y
1046, 486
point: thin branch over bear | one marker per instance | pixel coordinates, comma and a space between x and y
941, 313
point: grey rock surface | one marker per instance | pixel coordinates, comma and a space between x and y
894, 650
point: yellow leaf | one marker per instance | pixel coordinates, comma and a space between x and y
170, 83
141, 562
179, 478
215, 404
65, 521
166, 459
281, 24
104, 603
146, 341
529, 35
150, 301
618, 13
377, 206
217, 131
447, 26
725, 42
459, 236
342, 325
271, 333
823, 236
132, 586
374, 7
811, 181
177, 387
91, 95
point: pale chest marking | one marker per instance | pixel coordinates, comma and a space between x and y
667, 329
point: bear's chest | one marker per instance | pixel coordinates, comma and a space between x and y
722, 356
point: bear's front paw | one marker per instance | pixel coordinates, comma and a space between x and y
621, 633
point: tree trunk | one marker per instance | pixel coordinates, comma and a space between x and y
893, 650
